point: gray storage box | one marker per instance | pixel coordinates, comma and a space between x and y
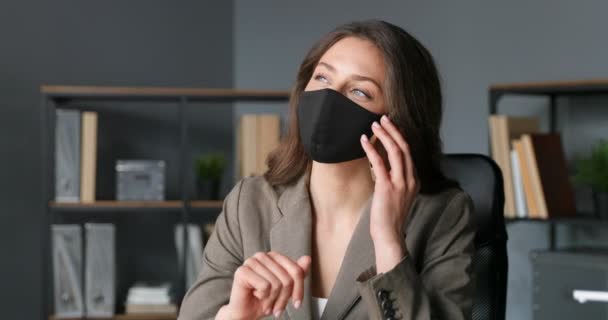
557, 275
140, 180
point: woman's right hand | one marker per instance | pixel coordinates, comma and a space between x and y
264, 284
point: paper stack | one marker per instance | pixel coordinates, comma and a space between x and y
145, 299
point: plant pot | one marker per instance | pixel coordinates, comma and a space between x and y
600, 204
208, 189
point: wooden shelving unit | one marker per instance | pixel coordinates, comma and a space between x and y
81, 98
552, 90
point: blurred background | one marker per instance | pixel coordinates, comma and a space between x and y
254, 45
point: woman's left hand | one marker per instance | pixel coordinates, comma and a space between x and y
394, 193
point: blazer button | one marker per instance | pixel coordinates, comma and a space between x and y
382, 294
386, 304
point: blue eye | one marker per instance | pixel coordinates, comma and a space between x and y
321, 78
361, 93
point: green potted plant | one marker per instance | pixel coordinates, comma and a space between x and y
593, 172
209, 169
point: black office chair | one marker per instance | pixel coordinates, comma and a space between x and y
480, 177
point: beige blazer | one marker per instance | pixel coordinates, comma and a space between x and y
433, 282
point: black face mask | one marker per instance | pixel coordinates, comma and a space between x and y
331, 126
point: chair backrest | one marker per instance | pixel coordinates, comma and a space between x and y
480, 177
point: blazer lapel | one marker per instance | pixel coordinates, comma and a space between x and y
291, 235
359, 257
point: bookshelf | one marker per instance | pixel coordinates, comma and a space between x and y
551, 90
55, 97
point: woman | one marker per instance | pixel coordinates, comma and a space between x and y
338, 216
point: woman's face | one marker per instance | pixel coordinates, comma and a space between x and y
355, 68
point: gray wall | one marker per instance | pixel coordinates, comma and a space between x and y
192, 44
475, 44
135, 43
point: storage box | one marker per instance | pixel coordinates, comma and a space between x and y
140, 180
558, 275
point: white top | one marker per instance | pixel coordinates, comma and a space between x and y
583, 296
318, 305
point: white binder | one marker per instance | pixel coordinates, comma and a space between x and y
195, 251
100, 270
67, 270
67, 155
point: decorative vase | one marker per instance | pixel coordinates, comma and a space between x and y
208, 189
600, 204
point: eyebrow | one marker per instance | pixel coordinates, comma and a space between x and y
355, 76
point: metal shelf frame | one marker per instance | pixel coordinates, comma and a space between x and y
553, 91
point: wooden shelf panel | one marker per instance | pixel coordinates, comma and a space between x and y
118, 204
126, 317
576, 220
146, 317
206, 204
132, 205
102, 92
597, 86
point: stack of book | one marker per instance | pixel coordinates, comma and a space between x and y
536, 180
146, 299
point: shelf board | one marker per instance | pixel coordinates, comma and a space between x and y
159, 93
205, 204
145, 317
118, 204
111, 205
574, 87
577, 220
126, 317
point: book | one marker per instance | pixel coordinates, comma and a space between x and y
504, 129
88, 156
549, 174
100, 284
67, 155
258, 135
247, 145
268, 133
520, 196
525, 161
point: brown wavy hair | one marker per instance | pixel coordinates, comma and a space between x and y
412, 94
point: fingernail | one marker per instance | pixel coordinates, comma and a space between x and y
375, 124
277, 314
385, 119
363, 137
268, 312
297, 304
